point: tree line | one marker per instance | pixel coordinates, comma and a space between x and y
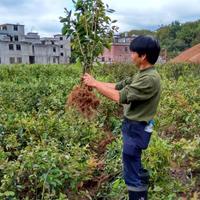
175, 37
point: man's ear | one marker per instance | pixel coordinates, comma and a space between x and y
144, 56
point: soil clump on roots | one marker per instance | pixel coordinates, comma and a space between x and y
84, 100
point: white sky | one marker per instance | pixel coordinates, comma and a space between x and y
42, 16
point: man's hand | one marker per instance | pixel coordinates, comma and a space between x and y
106, 89
89, 80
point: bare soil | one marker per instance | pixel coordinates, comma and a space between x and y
191, 55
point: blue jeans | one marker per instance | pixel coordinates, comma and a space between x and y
135, 139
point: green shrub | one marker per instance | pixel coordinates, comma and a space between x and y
47, 149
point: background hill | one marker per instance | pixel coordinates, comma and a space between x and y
176, 36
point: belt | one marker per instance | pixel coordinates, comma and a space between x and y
135, 122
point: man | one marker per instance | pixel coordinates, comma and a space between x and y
140, 97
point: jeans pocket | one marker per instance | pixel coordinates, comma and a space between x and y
146, 139
125, 127
130, 145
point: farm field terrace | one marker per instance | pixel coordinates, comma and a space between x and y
50, 151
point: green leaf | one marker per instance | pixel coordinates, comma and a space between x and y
9, 193
157, 189
65, 30
62, 20
114, 21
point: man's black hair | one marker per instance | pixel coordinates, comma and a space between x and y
146, 45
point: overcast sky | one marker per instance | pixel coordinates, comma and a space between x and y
42, 16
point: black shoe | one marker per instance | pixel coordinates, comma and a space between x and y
138, 195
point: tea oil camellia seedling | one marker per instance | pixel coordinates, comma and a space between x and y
91, 30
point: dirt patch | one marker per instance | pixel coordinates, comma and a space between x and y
100, 147
84, 100
181, 175
93, 185
171, 132
185, 177
191, 55
88, 190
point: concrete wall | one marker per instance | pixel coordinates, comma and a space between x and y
10, 29
65, 48
45, 54
12, 32
33, 38
117, 53
6, 54
32, 49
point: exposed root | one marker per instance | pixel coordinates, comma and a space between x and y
84, 100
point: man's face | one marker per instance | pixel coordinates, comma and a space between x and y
136, 59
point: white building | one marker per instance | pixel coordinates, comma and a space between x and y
16, 47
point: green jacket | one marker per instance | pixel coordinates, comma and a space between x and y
140, 95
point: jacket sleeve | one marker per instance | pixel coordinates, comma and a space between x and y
139, 90
120, 85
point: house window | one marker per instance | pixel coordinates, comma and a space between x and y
19, 60
4, 28
16, 38
52, 42
15, 28
126, 49
11, 47
61, 54
54, 49
54, 60
12, 60
61, 38
43, 42
103, 59
18, 47
116, 40
33, 49
61, 46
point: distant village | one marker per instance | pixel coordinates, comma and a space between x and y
17, 47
